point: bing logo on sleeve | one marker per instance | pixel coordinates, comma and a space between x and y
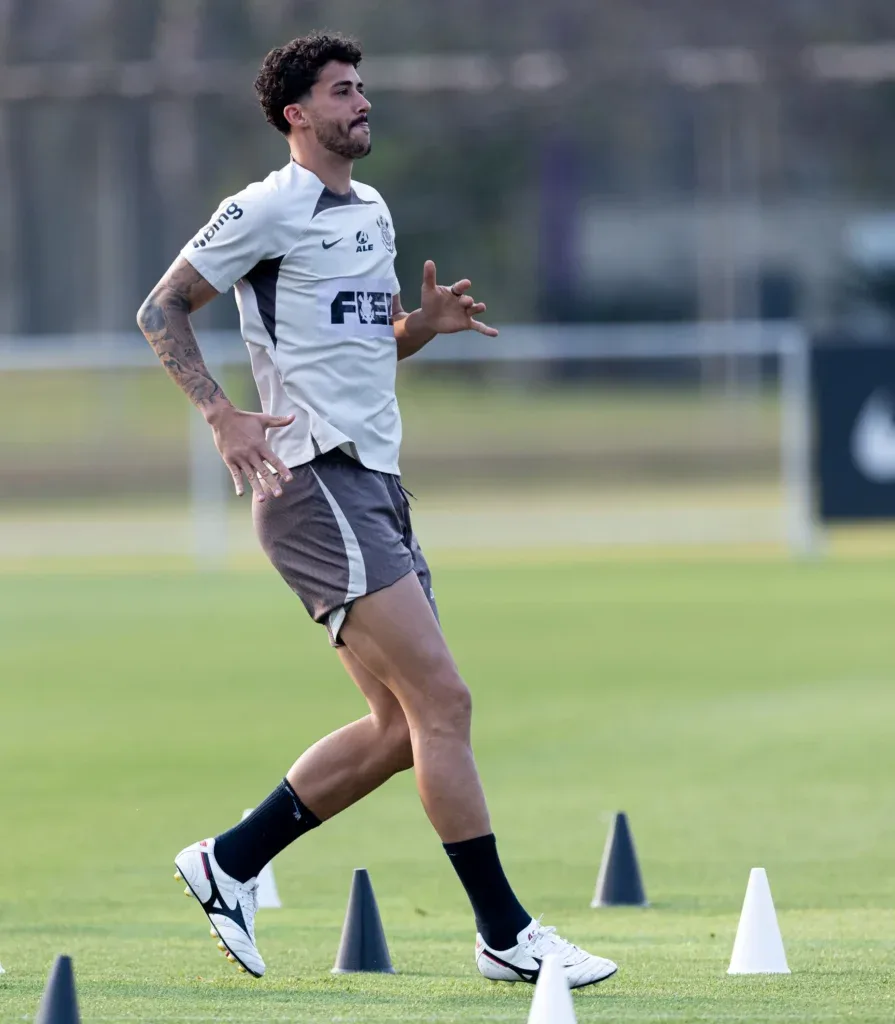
231, 212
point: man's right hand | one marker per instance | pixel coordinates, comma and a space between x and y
241, 439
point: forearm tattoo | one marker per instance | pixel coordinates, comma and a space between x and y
165, 320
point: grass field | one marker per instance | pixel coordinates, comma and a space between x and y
741, 711
126, 433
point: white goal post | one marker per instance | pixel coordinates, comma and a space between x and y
786, 342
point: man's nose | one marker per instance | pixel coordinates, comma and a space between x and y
364, 104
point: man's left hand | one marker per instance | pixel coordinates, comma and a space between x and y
449, 310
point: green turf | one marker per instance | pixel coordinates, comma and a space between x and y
740, 712
126, 433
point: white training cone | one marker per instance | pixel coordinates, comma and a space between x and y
758, 947
552, 1003
267, 887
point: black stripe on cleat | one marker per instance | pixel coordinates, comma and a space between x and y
526, 975
222, 908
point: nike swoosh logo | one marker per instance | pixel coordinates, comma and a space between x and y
525, 974
873, 438
331, 244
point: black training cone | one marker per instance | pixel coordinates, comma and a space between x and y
59, 1004
363, 946
619, 883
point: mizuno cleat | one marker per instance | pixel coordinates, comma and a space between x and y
229, 904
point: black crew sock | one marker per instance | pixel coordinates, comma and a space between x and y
499, 916
279, 820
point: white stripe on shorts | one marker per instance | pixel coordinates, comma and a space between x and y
335, 622
357, 571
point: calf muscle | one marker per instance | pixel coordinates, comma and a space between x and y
394, 634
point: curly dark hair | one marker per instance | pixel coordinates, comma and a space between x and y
289, 72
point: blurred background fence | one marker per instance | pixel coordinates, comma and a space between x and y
607, 163
552, 435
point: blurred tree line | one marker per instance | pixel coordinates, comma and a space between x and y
492, 167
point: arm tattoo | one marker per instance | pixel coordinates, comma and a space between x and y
165, 320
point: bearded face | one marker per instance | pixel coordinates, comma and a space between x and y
350, 140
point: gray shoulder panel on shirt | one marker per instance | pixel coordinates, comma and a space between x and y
330, 200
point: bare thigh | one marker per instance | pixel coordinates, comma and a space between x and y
395, 636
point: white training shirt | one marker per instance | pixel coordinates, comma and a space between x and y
314, 275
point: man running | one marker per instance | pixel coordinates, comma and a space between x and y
311, 254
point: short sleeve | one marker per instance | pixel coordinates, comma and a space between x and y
236, 238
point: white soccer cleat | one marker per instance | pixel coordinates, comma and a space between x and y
523, 961
229, 904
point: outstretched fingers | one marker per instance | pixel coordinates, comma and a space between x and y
474, 309
263, 473
277, 465
236, 474
458, 288
266, 469
471, 306
477, 325
268, 479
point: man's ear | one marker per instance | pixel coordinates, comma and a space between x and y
295, 115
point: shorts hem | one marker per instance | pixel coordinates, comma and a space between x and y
335, 619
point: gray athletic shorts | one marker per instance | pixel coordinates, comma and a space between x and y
337, 532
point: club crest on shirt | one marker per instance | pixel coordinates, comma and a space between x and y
388, 239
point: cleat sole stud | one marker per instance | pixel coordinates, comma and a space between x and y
214, 932
187, 891
222, 947
242, 969
178, 877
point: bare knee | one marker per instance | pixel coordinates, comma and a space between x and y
395, 746
443, 704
